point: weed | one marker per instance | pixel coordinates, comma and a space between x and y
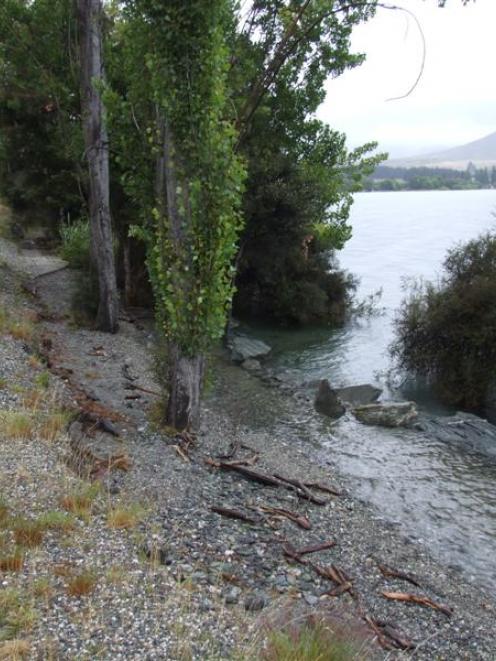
35, 363
14, 650
3, 383
116, 574
42, 588
21, 330
75, 247
27, 532
124, 517
81, 584
4, 510
16, 614
63, 569
43, 380
81, 501
53, 424
55, 520
17, 424
13, 562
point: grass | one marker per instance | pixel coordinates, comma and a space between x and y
52, 425
124, 517
81, 584
17, 425
14, 650
16, 614
81, 501
13, 562
55, 520
43, 380
3, 383
27, 532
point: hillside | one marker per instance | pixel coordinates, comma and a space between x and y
482, 153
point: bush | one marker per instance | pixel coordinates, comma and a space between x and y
446, 332
75, 247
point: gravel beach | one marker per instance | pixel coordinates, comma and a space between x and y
178, 580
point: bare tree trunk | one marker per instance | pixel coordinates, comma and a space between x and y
96, 142
185, 371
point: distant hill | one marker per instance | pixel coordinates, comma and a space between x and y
482, 153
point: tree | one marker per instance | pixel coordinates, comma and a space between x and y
90, 15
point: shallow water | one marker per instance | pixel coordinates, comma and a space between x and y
439, 493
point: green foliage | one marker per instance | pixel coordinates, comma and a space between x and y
75, 247
184, 81
447, 332
40, 136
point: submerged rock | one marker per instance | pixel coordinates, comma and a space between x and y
251, 365
359, 395
387, 414
244, 348
327, 402
464, 429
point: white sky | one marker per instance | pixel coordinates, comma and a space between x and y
455, 100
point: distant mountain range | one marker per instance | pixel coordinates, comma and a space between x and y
482, 153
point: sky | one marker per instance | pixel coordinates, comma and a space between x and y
455, 99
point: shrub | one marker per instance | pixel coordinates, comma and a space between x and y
75, 247
446, 332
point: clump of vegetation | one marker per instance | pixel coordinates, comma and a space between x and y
81, 501
17, 424
81, 584
16, 614
446, 332
75, 247
124, 517
27, 532
12, 650
12, 562
314, 638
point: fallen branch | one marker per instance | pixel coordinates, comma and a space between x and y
400, 641
417, 599
232, 514
133, 386
324, 488
301, 489
181, 453
317, 547
336, 575
389, 572
299, 519
254, 476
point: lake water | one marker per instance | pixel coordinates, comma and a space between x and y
440, 494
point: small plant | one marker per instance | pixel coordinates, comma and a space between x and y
14, 650
43, 380
34, 363
124, 517
13, 562
4, 510
3, 383
53, 424
17, 424
81, 501
75, 247
55, 520
27, 532
21, 330
42, 588
16, 614
81, 584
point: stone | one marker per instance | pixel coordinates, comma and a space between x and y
387, 414
256, 601
359, 395
244, 348
466, 430
232, 596
327, 402
251, 365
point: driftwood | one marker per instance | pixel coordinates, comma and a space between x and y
399, 639
133, 386
324, 488
381, 638
317, 547
301, 489
299, 519
417, 599
232, 514
250, 474
297, 554
389, 572
336, 575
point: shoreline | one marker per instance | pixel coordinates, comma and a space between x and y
199, 547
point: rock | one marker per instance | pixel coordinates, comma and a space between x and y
232, 596
256, 602
310, 598
17, 231
327, 401
28, 244
359, 395
463, 429
244, 348
251, 365
387, 414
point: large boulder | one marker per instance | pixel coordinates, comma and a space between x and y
327, 402
359, 395
244, 348
387, 414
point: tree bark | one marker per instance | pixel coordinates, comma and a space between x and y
90, 14
185, 370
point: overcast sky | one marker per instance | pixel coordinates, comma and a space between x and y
455, 100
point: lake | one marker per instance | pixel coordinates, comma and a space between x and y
442, 495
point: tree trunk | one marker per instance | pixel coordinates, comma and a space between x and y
185, 372
185, 385
96, 142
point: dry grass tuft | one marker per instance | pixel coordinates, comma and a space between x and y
13, 562
53, 424
27, 532
16, 614
81, 502
13, 650
55, 520
17, 425
81, 584
21, 330
124, 517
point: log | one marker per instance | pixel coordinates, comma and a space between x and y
417, 599
250, 474
301, 489
317, 547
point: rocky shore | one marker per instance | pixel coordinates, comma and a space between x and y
191, 544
